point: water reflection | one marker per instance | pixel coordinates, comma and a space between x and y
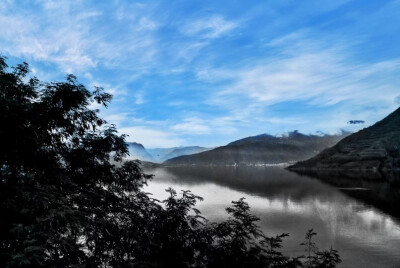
347, 214
376, 189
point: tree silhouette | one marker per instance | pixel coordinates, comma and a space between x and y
68, 200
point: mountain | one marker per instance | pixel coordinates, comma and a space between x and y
185, 151
261, 149
372, 148
162, 154
159, 153
137, 151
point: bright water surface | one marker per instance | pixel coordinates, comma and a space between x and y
348, 216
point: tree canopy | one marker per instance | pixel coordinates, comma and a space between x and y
68, 198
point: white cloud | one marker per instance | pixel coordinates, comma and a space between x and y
69, 36
139, 99
318, 73
56, 32
116, 119
397, 99
151, 137
209, 27
192, 125
146, 24
195, 125
129, 40
117, 91
323, 73
189, 51
286, 120
5, 3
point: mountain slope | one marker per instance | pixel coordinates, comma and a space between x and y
185, 151
162, 154
261, 149
375, 148
137, 151
159, 153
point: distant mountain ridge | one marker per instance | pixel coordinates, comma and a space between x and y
373, 148
262, 149
158, 155
185, 151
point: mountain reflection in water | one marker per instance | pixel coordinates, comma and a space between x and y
355, 216
379, 190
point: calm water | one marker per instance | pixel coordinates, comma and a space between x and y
360, 218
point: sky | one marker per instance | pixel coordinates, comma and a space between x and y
201, 72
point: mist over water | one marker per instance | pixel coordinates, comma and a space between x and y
346, 216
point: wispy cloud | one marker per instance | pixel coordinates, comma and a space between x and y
286, 120
397, 99
37, 36
151, 137
188, 72
139, 98
192, 125
209, 27
195, 125
71, 37
307, 70
116, 119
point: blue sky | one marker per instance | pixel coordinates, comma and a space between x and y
209, 72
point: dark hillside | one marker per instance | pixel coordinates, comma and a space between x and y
375, 148
261, 149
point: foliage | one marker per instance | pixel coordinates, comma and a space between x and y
68, 200
314, 258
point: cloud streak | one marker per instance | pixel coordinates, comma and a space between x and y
70, 37
305, 70
185, 73
151, 137
208, 27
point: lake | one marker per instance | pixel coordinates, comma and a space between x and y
360, 218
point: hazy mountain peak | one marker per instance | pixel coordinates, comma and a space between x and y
138, 145
138, 151
162, 154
